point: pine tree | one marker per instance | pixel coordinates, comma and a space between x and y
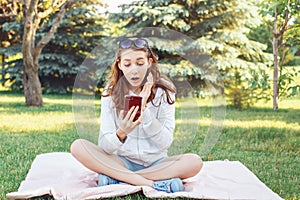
78, 33
219, 28
10, 34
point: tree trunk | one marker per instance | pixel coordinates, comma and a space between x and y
275, 74
31, 82
275, 55
31, 51
32, 86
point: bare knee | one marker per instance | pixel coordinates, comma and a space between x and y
194, 163
76, 147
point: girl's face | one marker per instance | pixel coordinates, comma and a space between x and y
134, 65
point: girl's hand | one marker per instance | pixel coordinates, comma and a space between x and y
145, 93
126, 124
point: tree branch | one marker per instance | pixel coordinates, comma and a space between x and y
292, 27
45, 40
286, 20
11, 10
47, 12
36, 21
281, 61
31, 8
28, 27
282, 45
270, 40
274, 31
270, 27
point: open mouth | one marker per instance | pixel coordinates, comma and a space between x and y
134, 78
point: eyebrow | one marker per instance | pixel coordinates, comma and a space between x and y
140, 58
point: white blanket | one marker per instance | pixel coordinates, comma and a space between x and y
62, 176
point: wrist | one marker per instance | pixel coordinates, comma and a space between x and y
143, 107
122, 135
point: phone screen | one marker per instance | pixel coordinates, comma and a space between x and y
130, 101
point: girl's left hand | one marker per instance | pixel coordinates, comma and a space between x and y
145, 93
126, 123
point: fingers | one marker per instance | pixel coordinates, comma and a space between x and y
149, 82
129, 113
121, 115
139, 120
147, 88
127, 124
134, 113
150, 78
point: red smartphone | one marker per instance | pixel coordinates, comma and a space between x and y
130, 101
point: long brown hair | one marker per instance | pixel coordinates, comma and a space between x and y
118, 86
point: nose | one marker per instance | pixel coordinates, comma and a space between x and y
134, 69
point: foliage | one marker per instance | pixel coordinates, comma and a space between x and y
285, 41
79, 32
289, 81
8, 13
262, 34
10, 45
219, 29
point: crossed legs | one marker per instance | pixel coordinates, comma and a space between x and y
90, 155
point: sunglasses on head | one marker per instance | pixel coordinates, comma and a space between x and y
139, 43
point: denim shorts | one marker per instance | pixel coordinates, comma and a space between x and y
136, 167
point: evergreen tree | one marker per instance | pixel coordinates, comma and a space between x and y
11, 38
79, 32
219, 28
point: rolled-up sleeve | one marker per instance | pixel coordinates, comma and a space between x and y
108, 139
160, 126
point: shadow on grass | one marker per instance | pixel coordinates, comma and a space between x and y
16, 107
52, 103
254, 114
21, 107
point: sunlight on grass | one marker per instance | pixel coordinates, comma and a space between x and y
58, 101
21, 119
283, 103
48, 118
247, 124
38, 122
262, 124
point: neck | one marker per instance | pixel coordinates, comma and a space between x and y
136, 90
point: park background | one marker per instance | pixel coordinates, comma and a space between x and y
240, 37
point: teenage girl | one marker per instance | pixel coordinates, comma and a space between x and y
135, 151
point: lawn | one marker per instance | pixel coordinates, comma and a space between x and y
265, 141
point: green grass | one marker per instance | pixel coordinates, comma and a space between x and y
265, 141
